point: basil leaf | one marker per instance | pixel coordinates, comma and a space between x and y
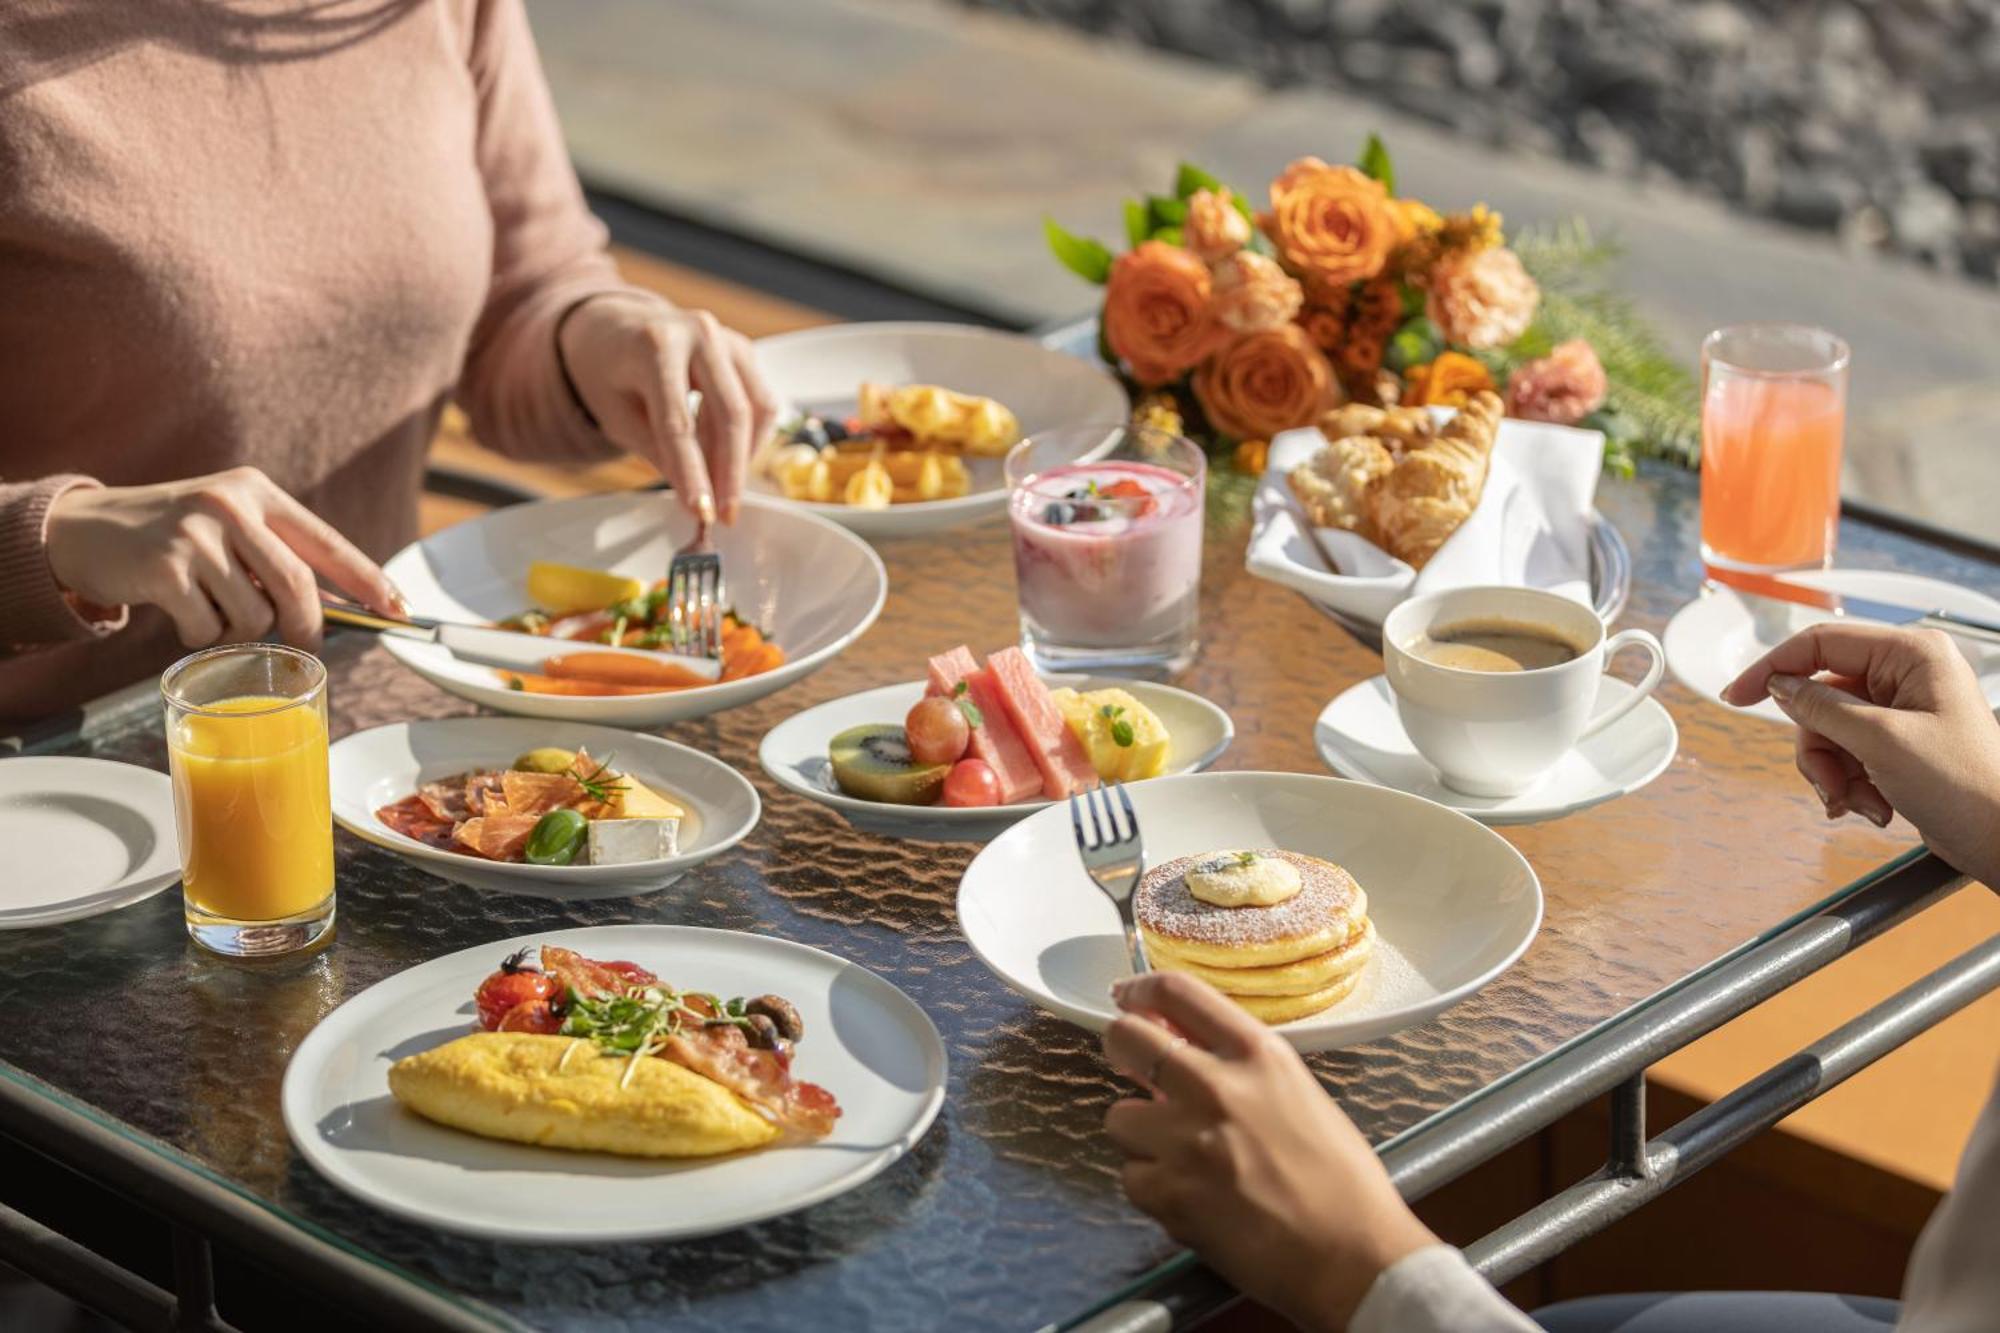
1082, 256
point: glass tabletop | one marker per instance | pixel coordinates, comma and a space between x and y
1008, 1213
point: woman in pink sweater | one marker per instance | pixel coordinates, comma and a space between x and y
247, 254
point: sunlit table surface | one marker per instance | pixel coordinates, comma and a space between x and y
1008, 1214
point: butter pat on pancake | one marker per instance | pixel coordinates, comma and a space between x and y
518, 1086
1244, 879
1320, 917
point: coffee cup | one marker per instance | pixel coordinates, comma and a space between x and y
1495, 685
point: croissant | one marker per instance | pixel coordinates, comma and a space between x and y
1397, 427
1435, 486
1337, 484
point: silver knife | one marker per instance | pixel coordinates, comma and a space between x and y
505, 648
1862, 608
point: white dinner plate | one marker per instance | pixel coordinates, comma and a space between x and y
1713, 638
865, 1042
84, 836
820, 370
1453, 903
1360, 736
795, 753
374, 768
811, 585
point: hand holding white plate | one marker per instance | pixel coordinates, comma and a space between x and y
1453, 903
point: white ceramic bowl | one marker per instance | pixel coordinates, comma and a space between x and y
795, 753
819, 370
374, 768
1453, 903
813, 586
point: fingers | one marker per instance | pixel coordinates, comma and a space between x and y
246, 613
325, 550
1154, 1057
725, 412
288, 584
1824, 766
1195, 1007
1139, 1127
1856, 726
675, 448
1844, 647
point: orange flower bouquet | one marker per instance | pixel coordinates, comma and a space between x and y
1235, 323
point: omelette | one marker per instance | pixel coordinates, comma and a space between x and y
564, 1092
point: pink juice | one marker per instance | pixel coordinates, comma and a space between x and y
1107, 559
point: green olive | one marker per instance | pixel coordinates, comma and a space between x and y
548, 759
556, 838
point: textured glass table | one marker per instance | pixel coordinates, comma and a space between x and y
162, 1076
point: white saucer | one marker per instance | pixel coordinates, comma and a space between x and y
85, 836
794, 753
1713, 638
1360, 736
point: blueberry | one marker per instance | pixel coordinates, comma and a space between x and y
1058, 514
812, 431
834, 430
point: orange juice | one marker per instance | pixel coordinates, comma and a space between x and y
1770, 471
250, 797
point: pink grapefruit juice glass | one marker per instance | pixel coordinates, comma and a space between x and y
1107, 527
1773, 410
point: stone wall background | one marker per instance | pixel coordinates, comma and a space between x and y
1879, 122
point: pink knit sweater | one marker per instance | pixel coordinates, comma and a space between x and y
273, 233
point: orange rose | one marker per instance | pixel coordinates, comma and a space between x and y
1333, 225
1253, 293
1447, 381
1325, 325
1215, 228
1157, 314
1266, 382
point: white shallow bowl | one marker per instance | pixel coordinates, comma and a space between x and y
1712, 639
795, 753
85, 836
373, 768
865, 1041
813, 586
820, 370
1453, 903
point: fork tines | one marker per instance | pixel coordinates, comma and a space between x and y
694, 604
1104, 828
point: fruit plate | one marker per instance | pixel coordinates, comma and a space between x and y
866, 1042
812, 586
795, 753
372, 768
820, 371
1454, 904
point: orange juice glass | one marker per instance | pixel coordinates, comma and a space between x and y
1773, 409
246, 744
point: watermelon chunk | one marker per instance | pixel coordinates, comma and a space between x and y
995, 740
1065, 765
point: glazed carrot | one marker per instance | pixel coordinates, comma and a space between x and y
532, 684
619, 669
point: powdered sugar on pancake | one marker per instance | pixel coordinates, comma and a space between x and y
1328, 898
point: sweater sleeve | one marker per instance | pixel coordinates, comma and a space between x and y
34, 609
1435, 1291
548, 254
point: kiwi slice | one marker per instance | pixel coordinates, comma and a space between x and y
547, 759
873, 762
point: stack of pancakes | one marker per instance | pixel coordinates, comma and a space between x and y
1280, 961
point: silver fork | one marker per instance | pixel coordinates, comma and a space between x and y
1114, 857
695, 596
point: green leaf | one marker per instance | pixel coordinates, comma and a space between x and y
1375, 163
1082, 256
1412, 345
960, 694
1121, 733
1136, 223
1191, 178
1166, 212
1171, 235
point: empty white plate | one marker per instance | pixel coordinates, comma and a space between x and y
84, 836
865, 1042
820, 371
812, 586
795, 753
1713, 638
377, 767
1453, 903
1360, 736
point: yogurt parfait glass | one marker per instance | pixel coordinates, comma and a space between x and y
1107, 525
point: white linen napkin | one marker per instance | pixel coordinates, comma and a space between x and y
1531, 527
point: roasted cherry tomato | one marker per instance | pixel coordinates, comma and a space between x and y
512, 987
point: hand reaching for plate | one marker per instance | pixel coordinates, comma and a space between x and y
633, 359
1242, 1155
1890, 720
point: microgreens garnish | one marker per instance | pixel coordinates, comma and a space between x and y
642, 1020
596, 786
961, 694
1121, 730
616, 634
1246, 859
